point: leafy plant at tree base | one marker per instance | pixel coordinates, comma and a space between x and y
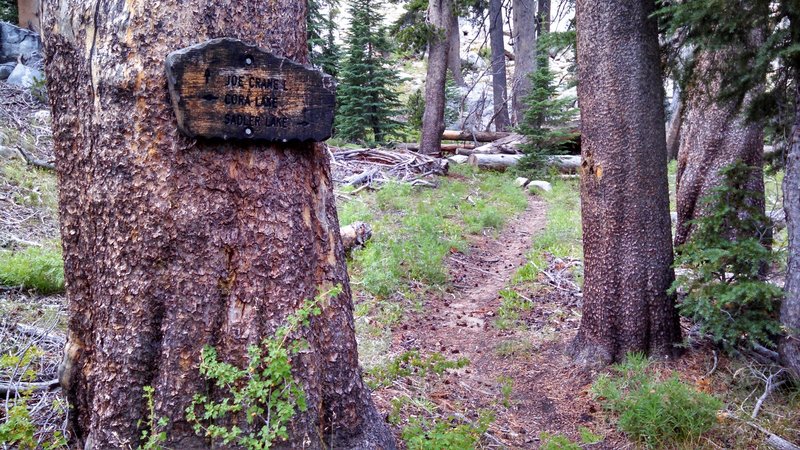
725, 292
18, 431
264, 392
655, 413
151, 438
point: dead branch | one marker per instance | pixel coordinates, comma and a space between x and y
36, 162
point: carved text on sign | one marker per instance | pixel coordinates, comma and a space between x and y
227, 89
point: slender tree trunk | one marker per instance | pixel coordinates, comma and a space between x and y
624, 193
675, 123
454, 53
543, 21
440, 14
713, 135
789, 348
171, 244
524, 23
499, 89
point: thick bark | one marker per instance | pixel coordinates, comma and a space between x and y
624, 194
789, 348
524, 24
714, 134
454, 52
440, 14
499, 90
171, 244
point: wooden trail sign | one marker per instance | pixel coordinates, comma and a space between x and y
224, 88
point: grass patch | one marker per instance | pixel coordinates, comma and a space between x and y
657, 414
561, 238
34, 268
34, 187
415, 228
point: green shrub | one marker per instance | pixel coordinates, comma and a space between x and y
655, 413
265, 392
8, 11
725, 292
37, 268
17, 430
450, 434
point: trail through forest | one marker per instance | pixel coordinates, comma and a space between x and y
521, 372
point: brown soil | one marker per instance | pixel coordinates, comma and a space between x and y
549, 394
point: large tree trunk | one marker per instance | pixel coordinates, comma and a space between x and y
499, 90
624, 193
171, 244
524, 23
713, 135
440, 14
789, 348
454, 52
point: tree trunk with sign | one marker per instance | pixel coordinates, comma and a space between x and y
172, 244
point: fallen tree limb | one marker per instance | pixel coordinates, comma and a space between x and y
773, 440
36, 162
479, 136
19, 388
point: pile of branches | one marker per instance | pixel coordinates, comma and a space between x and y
28, 375
372, 167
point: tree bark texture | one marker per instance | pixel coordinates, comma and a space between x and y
713, 135
454, 51
499, 89
624, 194
171, 244
440, 14
524, 23
789, 348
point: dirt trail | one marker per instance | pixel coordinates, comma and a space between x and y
547, 394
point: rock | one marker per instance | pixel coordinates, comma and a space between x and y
538, 186
42, 116
6, 69
458, 159
24, 76
673, 217
20, 44
7, 153
522, 181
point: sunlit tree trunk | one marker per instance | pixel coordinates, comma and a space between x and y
499, 89
789, 348
171, 244
440, 14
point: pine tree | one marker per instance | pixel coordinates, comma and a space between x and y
367, 97
545, 115
323, 51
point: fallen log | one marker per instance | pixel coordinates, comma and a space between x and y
509, 145
493, 162
444, 147
487, 161
355, 235
479, 136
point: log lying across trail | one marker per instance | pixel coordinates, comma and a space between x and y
564, 163
479, 136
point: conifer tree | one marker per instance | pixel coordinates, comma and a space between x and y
545, 113
320, 26
366, 94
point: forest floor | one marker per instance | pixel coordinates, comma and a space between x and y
465, 300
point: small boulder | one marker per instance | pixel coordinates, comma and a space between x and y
538, 186
7, 153
458, 159
6, 69
20, 44
521, 181
42, 116
24, 76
